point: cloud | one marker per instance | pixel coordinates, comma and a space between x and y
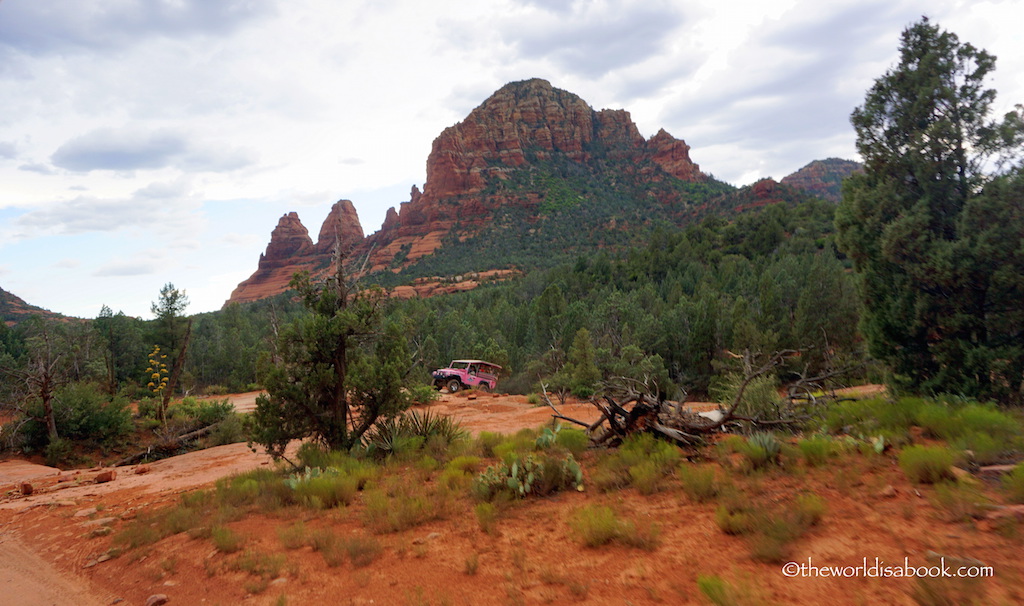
120, 269
127, 149
124, 149
37, 167
591, 39
43, 27
789, 89
8, 149
162, 209
67, 264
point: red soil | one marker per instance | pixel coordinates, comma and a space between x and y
49, 556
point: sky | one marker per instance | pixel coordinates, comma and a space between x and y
145, 142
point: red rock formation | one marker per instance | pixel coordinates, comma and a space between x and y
673, 156
342, 227
823, 178
522, 123
289, 239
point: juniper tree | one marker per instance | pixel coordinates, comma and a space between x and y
934, 223
334, 371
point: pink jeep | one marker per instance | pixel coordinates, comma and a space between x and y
464, 374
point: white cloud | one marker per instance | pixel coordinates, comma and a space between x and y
129, 122
129, 149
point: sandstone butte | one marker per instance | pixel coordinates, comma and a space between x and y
519, 122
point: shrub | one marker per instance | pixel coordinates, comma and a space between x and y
486, 441
201, 412
762, 449
404, 505
574, 440
329, 546
231, 430
58, 452
698, 482
423, 394
816, 450
362, 551
294, 536
323, 489
226, 540
536, 474
643, 461
596, 525
83, 413
263, 565
808, 510
760, 399
733, 520
646, 477
1013, 484
406, 434
959, 502
926, 464
486, 516
717, 590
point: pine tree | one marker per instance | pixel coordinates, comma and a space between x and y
911, 223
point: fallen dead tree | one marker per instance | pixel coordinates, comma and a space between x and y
630, 407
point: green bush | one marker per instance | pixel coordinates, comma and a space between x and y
760, 398
226, 540
808, 510
83, 413
1013, 484
232, 429
762, 449
535, 474
323, 489
721, 593
642, 460
597, 525
402, 505
201, 412
423, 394
698, 482
816, 450
926, 464
486, 442
733, 520
405, 435
574, 440
486, 516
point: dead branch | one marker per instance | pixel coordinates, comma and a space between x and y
635, 409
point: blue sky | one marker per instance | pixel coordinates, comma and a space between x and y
152, 141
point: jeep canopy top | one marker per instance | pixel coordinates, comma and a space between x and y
480, 362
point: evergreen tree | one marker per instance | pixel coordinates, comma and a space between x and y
335, 371
913, 222
173, 330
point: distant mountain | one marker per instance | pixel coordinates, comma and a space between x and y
531, 166
823, 178
530, 177
13, 309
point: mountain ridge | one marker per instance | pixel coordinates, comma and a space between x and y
528, 167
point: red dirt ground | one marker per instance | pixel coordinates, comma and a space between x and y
49, 556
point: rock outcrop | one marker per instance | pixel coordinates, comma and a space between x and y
823, 178
341, 228
292, 250
522, 125
519, 125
